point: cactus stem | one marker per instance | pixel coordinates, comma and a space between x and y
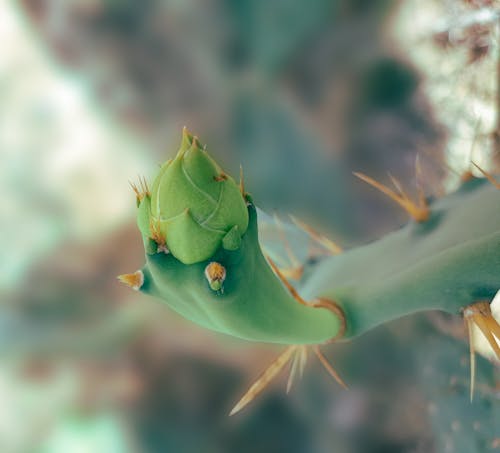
322, 302
134, 281
330, 245
328, 367
318, 303
488, 176
480, 315
418, 211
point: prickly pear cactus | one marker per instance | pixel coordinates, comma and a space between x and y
204, 259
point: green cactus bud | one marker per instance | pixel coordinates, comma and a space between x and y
195, 206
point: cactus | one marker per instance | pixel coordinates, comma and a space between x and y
204, 260
457, 424
194, 207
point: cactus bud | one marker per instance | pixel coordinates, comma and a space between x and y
195, 206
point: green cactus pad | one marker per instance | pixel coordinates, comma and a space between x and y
447, 262
254, 306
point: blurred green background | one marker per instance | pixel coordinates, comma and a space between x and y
94, 93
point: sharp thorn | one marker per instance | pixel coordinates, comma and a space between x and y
487, 175
264, 379
285, 282
329, 368
134, 281
242, 182
419, 212
472, 355
328, 244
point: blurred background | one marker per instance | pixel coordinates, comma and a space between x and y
94, 93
